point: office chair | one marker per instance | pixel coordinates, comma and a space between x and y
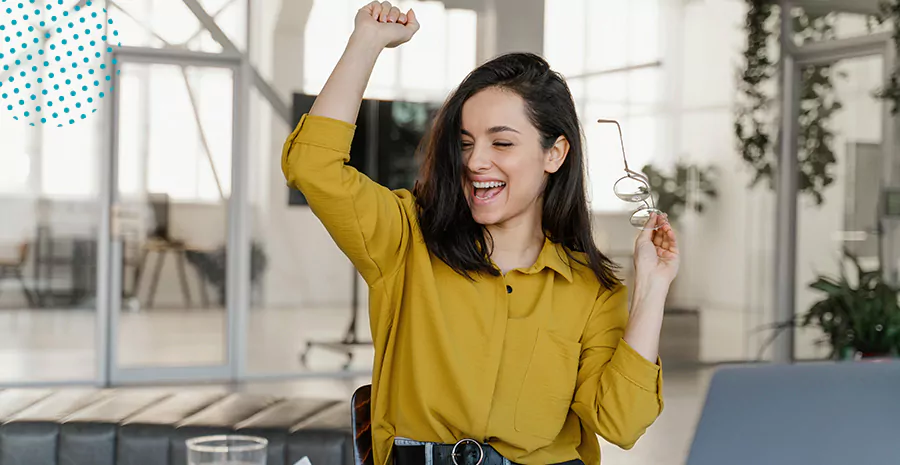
15, 266
361, 418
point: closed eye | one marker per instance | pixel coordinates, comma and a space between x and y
502, 144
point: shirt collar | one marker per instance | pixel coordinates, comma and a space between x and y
554, 256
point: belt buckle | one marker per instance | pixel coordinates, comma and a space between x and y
453, 453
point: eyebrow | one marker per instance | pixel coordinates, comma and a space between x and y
493, 130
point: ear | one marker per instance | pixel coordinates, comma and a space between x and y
556, 156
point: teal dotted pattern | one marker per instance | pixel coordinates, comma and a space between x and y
53, 57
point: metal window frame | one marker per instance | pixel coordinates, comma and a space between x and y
109, 249
230, 367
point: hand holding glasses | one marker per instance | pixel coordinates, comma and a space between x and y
634, 187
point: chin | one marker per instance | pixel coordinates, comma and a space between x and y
487, 217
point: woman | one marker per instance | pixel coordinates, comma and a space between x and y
501, 333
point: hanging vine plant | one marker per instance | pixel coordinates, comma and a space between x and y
751, 124
755, 123
890, 11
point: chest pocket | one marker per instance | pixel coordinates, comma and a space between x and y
548, 387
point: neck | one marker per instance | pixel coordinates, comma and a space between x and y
517, 243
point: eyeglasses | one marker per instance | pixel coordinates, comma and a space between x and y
634, 187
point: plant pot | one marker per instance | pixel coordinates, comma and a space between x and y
851, 354
875, 356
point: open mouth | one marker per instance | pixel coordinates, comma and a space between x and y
487, 190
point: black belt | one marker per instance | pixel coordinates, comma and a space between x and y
465, 452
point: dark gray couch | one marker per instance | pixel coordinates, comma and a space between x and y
146, 427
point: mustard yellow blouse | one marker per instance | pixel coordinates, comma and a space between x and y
532, 362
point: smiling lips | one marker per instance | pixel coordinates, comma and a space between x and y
485, 191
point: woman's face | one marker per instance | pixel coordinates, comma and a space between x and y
506, 167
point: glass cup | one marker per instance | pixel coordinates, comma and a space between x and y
227, 450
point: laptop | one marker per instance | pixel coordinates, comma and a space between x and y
828, 413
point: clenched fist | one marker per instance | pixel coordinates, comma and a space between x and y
385, 24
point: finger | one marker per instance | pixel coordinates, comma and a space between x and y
671, 244
402, 19
393, 15
374, 10
671, 236
411, 20
667, 255
646, 233
385, 9
664, 234
371, 7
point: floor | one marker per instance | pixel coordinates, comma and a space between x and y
58, 345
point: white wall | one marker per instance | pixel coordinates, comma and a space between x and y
726, 250
306, 268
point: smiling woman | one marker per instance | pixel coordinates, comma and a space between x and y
500, 331
499, 153
512, 121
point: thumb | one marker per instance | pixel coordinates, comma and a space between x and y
647, 231
411, 20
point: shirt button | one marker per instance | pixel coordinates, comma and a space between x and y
509, 289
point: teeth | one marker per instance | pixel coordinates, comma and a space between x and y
488, 185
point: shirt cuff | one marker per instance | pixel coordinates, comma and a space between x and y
637, 369
324, 132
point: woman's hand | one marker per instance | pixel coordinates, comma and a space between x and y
378, 25
655, 266
384, 25
656, 256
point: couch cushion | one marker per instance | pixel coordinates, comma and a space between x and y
326, 437
150, 427
32, 443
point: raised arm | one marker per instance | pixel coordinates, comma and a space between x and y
378, 25
368, 222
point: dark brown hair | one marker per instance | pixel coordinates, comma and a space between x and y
445, 219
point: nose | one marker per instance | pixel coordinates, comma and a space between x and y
479, 159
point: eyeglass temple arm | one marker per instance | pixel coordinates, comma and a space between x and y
628, 170
621, 141
640, 176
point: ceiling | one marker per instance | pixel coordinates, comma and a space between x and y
849, 6
813, 6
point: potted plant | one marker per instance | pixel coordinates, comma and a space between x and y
859, 317
672, 193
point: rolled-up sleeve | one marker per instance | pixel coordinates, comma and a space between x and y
369, 223
618, 393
